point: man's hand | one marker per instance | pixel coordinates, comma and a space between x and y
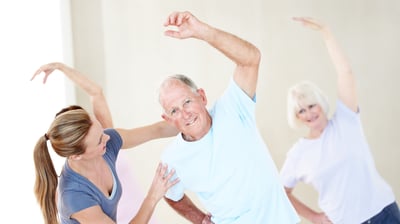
207, 219
187, 25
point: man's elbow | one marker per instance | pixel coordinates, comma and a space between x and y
255, 57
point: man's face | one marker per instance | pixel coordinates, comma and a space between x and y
185, 109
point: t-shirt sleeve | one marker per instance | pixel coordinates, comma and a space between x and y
235, 100
288, 171
75, 201
176, 192
346, 114
115, 142
346, 119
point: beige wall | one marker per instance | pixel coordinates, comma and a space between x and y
121, 44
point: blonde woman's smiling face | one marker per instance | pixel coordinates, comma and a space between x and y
311, 115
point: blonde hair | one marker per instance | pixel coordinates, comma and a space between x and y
302, 95
66, 135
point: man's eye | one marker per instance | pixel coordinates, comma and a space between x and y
188, 101
173, 112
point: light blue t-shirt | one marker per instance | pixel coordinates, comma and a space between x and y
230, 168
77, 192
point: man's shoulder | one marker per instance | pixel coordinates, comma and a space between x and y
172, 149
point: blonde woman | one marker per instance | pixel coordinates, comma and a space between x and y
334, 157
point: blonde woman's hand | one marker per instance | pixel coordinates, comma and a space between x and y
315, 25
207, 219
310, 23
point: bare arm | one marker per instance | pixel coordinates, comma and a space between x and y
136, 136
186, 208
305, 211
95, 92
92, 215
345, 78
244, 54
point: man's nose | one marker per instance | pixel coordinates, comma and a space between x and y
185, 113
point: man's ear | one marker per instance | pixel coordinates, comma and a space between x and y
165, 117
202, 94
